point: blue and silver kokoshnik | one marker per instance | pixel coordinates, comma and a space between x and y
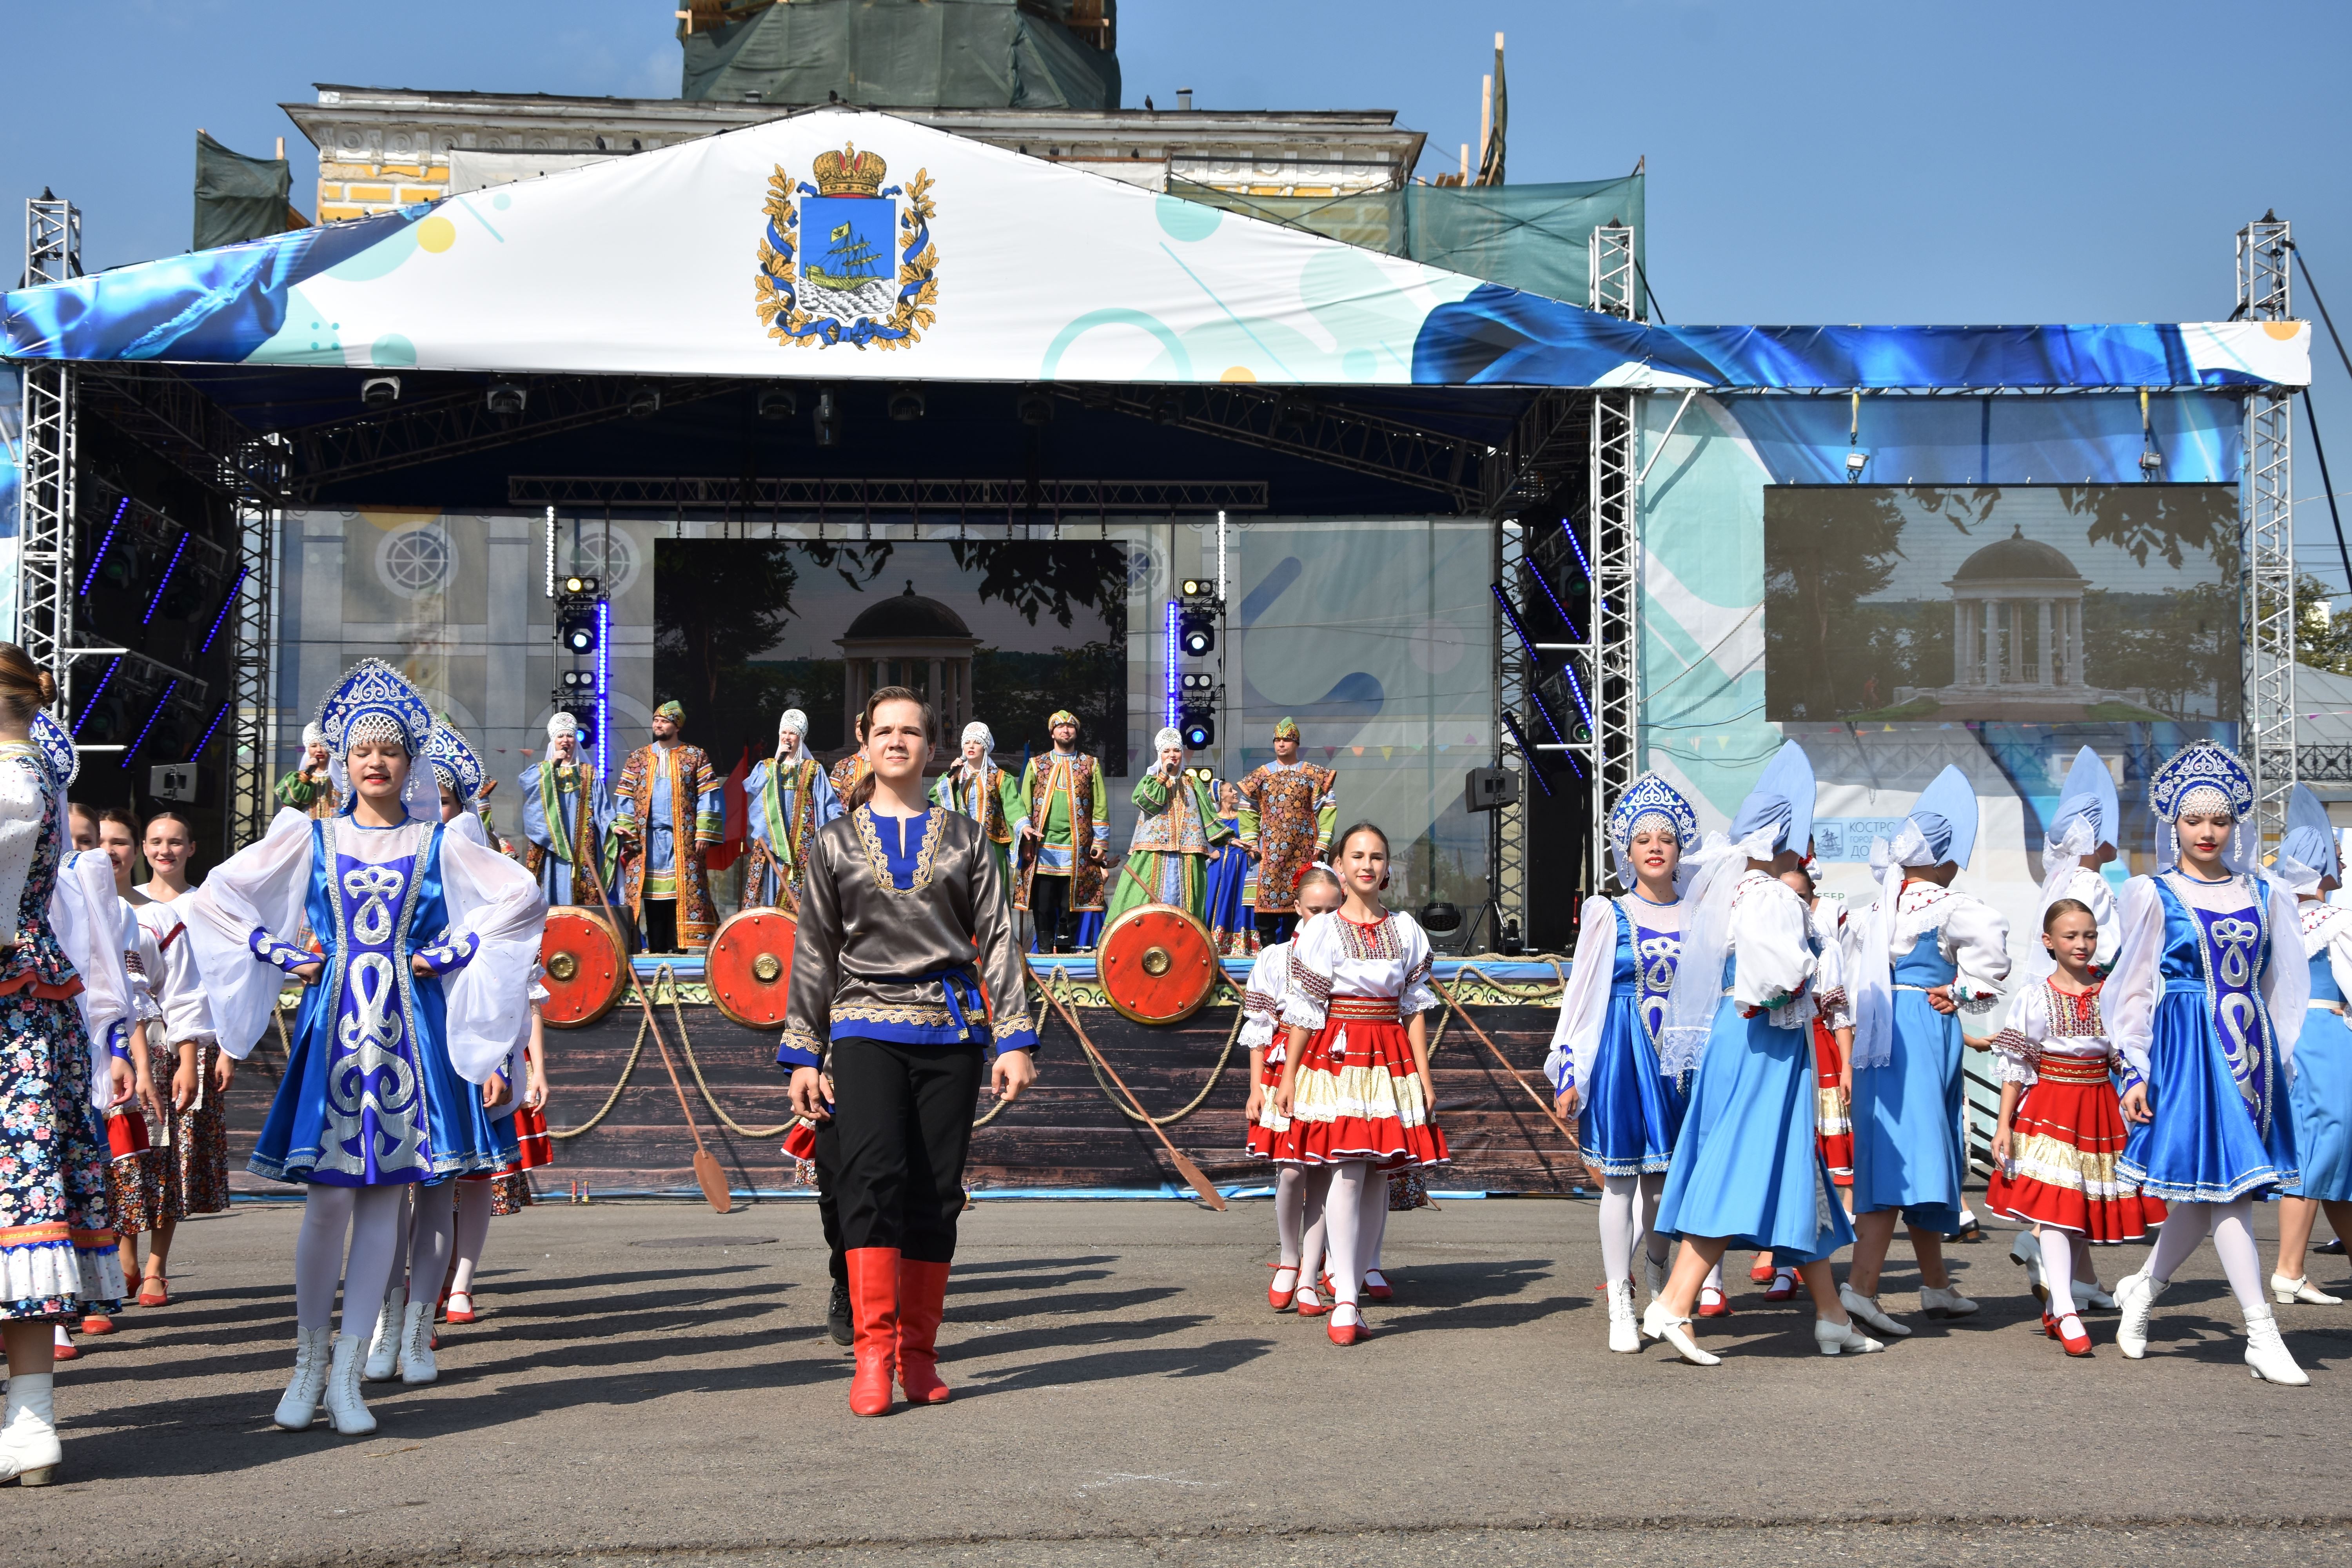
375, 702
2201, 777
454, 762
1651, 798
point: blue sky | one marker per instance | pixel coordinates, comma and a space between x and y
1809, 161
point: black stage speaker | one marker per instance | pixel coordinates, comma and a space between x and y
1558, 870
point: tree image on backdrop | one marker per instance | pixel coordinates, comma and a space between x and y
746, 628
2057, 604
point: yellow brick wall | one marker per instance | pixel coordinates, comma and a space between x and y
355, 190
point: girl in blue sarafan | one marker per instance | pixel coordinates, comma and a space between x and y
1748, 1169
1603, 1065
1927, 955
2206, 1003
2322, 1095
416, 995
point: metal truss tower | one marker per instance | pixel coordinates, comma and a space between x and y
2268, 603
1614, 547
260, 478
45, 596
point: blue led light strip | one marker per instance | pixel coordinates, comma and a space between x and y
218, 714
1577, 545
1512, 615
92, 576
1545, 712
1573, 634
1576, 689
1534, 767
95, 694
603, 687
176, 551
227, 605
1167, 667
169, 687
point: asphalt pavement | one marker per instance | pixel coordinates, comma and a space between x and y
652, 1382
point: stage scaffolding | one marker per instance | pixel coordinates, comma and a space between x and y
2268, 601
45, 592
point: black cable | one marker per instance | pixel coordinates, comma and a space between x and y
2324, 316
1660, 310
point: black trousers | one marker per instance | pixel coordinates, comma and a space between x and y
828, 1197
1049, 910
902, 1121
1273, 928
661, 925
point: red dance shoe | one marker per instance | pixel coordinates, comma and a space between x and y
2077, 1344
1761, 1270
67, 1352
98, 1324
1276, 1298
874, 1313
1345, 1334
1713, 1303
460, 1305
1310, 1304
1784, 1286
922, 1301
155, 1291
1376, 1286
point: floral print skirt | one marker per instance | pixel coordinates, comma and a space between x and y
195, 1163
57, 1256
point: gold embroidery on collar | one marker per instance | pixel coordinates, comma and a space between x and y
877, 860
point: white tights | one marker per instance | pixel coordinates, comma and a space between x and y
1351, 1222
1298, 1194
370, 1217
1629, 1206
2058, 1268
474, 1232
2231, 1226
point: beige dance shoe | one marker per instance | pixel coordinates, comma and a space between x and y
383, 1346
1659, 1325
1867, 1308
2135, 1297
1945, 1301
1843, 1338
1624, 1329
29, 1454
416, 1363
2266, 1354
2025, 1251
345, 1404
299, 1406
2286, 1292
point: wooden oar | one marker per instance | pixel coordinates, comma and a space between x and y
708, 1173
1191, 1172
1542, 1103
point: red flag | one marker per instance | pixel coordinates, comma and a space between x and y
739, 817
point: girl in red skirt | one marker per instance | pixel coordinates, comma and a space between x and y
2061, 1125
1355, 1093
1298, 1192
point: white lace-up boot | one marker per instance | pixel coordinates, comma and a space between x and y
300, 1408
416, 1363
1624, 1329
345, 1404
383, 1346
2135, 1297
29, 1453
1867, 1308
1843, 1338
2267, 1353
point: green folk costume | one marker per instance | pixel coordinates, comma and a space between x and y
992, 799
1176, 830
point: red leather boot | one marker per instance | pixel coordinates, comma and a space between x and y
922, 1300
873, 1314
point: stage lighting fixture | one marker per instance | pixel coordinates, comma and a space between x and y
1168, 407
577, 631
1199, 682
576, 586
1034, 407
1194, 587
1854, 463
1196, 631
905, 404
577, 680
779, 402
2151, 463
1200, 733
644, 402
828, 418
380, 391
506, 397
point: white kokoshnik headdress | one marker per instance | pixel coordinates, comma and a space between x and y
2088, 815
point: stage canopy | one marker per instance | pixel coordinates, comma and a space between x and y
841, 245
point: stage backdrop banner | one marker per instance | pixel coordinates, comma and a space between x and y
2059, 476
841, 244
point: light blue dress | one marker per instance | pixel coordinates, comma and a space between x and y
2322, 1094
1746, 1164
1907, 1114
2220, 1126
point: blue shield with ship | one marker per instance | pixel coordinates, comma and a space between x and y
847, 270
834, 267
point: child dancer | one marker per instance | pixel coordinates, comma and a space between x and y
135, 1176
1355, 1090
1298, 1190
65, 994
2062, 1126
2321, 1096
195, 1128
2206, 1003
1928, 954
2081, 840
1747, 1168
1604, 1064
397, 1028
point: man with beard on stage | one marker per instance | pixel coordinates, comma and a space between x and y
671, 811
1064, 836
1288, 811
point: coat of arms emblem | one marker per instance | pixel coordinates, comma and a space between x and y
848, 260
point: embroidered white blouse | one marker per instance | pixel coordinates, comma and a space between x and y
1969, 934
2043, 1021
2327, 928
172, 974
1591, 976
1269, 981
1333, 956
1773, 966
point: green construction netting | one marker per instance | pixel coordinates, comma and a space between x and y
1533, 238
239, 198
883, 53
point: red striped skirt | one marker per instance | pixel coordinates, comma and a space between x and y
1830, 1117
2064, 1140
1356, 1096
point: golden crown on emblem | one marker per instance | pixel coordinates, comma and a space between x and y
849, 172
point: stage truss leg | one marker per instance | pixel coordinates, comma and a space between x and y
1613, 541
2268, 601
1515, 677
52, 464
261, 470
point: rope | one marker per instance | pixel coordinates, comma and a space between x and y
678, 1013
623, 1082
1130, 1112
997, 1110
